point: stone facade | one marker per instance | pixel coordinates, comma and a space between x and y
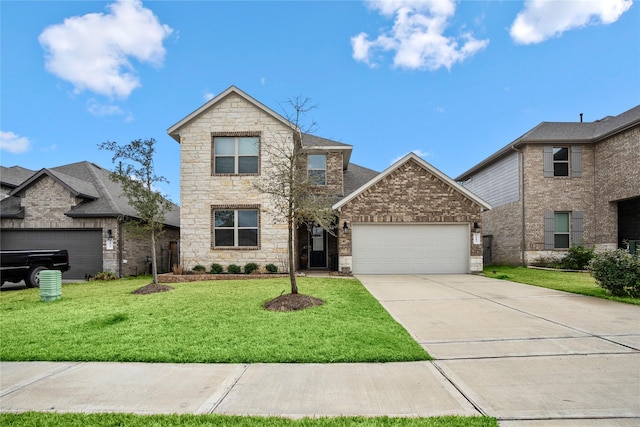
201, 191
410, 194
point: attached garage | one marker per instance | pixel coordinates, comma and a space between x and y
410, 248
84, 246
410, 219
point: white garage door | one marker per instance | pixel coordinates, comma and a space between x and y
410, 248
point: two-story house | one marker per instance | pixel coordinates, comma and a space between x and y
411, 218
558, 185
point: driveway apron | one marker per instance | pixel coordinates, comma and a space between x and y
523, 354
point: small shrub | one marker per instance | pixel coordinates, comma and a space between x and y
216, 268
618, 272
271, 268
234, 269
106, 275
250, 267
199, 268
577, 259
177, 269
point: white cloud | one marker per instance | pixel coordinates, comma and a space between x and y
420, 153
13, 143
543, 19
417, 36
101, 110
93, 51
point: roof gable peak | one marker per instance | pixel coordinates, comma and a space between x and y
174, 131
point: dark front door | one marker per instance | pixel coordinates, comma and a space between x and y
318, 248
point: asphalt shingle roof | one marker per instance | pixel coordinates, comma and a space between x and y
565, 132
103, 197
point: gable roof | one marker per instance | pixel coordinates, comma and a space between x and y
174, 131
564, 132
14, 175
413, 157
88, 181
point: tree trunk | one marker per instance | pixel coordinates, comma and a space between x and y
154, 264
292, 258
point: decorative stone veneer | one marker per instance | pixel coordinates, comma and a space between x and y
410, 194
200, 190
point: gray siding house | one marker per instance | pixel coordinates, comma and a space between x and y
561, 184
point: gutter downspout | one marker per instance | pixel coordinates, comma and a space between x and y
522, 219
120, 247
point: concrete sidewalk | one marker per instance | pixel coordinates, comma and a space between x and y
290, 390
528, 356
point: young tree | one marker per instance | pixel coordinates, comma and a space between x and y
136, 175
295, 197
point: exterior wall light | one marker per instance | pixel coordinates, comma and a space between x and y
345, 227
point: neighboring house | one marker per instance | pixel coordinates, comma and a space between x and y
77, 207
561, 184
410, 218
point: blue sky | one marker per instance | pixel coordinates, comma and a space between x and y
453, 81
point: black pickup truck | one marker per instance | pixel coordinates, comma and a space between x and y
27, 265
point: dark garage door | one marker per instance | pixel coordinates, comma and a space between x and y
84, 246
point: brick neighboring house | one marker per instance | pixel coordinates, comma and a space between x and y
77, 207
410, 218
561, 184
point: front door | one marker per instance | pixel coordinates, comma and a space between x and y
318, 250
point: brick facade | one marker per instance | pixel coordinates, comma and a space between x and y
45, 204
608, 178
616, 177
410, 194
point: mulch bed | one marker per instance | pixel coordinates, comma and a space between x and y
152, 288
292, 302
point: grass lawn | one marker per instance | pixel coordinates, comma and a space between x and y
109, 420
202, 322
577, 283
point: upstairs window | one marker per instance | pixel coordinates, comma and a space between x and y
560, 161
235, 155
233, 228
563, 161
317, 169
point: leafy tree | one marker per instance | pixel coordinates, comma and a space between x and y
296, 198
136, 175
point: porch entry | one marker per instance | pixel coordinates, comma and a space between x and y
318, 248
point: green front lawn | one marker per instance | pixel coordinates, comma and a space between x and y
577, 283
202, 322
109, 420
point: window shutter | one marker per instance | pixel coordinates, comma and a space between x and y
577, 227
548, 230
576, 161
548, 161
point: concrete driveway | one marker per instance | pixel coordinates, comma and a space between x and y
523, 354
